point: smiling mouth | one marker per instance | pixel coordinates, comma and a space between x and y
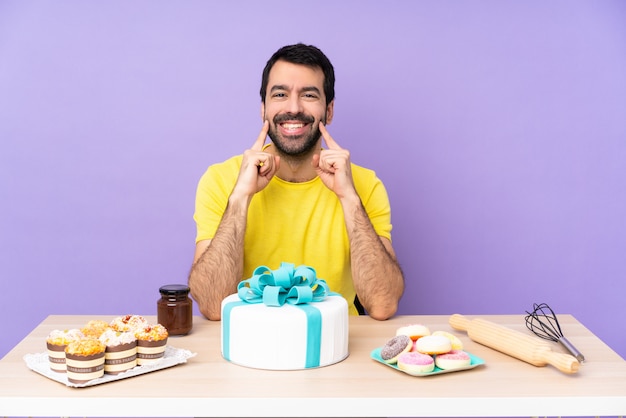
292, 126
293, 123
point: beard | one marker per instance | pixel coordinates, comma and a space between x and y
295, 145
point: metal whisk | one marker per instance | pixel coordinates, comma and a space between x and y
543, 323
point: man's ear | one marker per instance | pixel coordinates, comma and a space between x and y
263, 111
330, 112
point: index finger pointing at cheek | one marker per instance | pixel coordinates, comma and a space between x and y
260, 141
329, 139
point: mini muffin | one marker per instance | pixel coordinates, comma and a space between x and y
85, 360
151, 341
56, 342
121, 351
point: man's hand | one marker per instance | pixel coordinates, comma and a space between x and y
333, 167
257, 167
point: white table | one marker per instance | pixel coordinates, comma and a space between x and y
207, 385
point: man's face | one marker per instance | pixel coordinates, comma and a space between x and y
294, 105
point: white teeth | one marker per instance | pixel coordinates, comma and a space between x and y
291, 126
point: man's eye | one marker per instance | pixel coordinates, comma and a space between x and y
279, 95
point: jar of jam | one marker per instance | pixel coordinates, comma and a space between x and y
175, 309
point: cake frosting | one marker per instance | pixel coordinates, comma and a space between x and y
113, 338
285, 319
64, 337
95, 328
129, 323
151, 333
85, 347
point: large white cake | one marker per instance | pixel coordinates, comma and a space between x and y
292, 336
276, 337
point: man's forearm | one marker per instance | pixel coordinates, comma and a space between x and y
217, 271
377, 277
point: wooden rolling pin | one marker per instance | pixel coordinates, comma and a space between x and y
514, 343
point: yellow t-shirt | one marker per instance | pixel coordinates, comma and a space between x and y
299, 223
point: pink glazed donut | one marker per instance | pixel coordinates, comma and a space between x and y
453, 360
416, 363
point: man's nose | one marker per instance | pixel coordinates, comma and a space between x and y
294, 104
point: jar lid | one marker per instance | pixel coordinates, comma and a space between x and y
174, 289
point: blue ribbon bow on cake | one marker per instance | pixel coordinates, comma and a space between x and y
284, 285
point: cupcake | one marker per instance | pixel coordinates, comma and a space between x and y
151, 342
95, 328
56, 342
129, 323
84, 360
121, 351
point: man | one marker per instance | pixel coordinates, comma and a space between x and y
292, 201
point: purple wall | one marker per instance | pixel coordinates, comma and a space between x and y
498, 127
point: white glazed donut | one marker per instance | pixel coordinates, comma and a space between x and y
456, 343
416, 363
414, 331
453, 360
433, 344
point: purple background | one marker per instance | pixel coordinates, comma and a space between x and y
499, 128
